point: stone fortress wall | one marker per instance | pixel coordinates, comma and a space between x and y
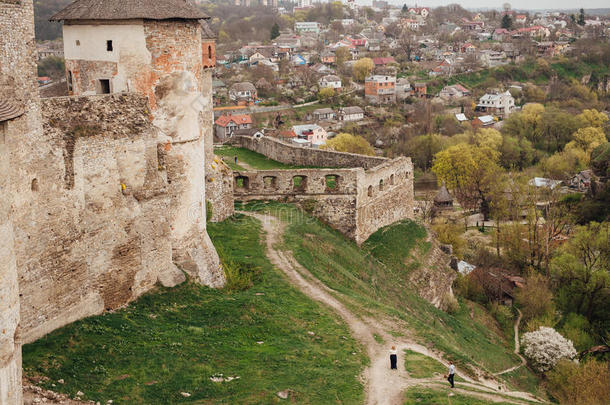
101, 197
358, 197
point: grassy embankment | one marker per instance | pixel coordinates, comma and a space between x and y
374, 278
250, 158
174, 340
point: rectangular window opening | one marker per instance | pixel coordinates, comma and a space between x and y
109, 46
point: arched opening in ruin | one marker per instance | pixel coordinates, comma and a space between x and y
332, 182
370, 191
391, 179
242, 182
299, 183
209, 52
34, 186
270, 182
381, 185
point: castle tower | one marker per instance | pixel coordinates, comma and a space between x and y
19, 118
154, 49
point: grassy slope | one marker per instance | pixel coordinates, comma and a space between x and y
256, 160
419, 395
378, 283
173, 340
420, 366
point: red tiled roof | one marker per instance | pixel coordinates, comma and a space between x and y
384, 60
224, 120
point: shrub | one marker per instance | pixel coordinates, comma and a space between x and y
450, 234
240, 276
585, 383
450, 303
470, 288
545, 347
535, 298
575, 328
503, 315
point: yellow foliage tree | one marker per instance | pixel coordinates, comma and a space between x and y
593, 118
488, 137
362, 68
326, 94
345, 142
587, 139
470, 171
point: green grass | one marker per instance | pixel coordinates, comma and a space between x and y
251, 158
371, 278
421, 366
430, 396
173, 340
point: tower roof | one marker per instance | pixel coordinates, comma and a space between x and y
9, 110
130, 9
443, 195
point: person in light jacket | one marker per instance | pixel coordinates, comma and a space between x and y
451, 374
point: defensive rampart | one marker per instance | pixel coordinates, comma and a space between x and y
355, 201
298, 155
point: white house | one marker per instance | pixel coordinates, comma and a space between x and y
331, 81
497, 103
307, 26
351, 114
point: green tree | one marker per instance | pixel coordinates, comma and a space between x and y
507, 22
581, 271
587, 139
535, 298
593, 118
275, 31
423, 148
362, 68
581, 17
345, 142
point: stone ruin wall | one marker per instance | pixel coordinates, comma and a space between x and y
336, 206
355, 205
298, 155
385, 196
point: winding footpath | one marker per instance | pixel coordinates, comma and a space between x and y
382, 385
517, 348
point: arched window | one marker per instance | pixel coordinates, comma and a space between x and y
381, 185
270, 182
332, 182
370, 191
299, 183
392, 180
242, 182
209, 51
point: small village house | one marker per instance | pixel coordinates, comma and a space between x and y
330, 81
243, 93
227, 124
312, 133
323, 114
454, 92
502, 104
348, 114
443, 200
380, 89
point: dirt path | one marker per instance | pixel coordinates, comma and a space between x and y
517, 347
382, 385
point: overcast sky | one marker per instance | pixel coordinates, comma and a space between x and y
516, 4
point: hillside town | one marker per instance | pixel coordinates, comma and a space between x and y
304, 201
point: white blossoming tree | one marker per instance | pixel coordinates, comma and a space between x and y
545, 347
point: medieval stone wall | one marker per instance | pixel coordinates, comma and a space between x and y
385, 196
90, 211
354, 201
300, 156
17, 86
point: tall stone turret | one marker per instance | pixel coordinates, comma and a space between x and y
154, 49
19, 117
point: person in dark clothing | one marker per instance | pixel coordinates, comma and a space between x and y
235, 159
451, 374
393, 358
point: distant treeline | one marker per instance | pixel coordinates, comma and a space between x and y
43, 10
